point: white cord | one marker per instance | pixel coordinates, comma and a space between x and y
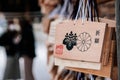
80, 5
83, 12
91, 77
86, 8
79, 74
64, 8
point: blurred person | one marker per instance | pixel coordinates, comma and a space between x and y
27, 47
10, 40
19, 42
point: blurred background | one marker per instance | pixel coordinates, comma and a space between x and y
16, 9
19, 5
40, 14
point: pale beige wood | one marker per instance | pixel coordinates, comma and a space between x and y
93, 54
51, 36
105, 70
77, 64
111, 23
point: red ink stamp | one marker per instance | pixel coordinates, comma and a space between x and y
59, 49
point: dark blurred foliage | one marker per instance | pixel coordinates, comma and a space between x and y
18, 5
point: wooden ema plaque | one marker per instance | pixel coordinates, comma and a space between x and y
107, 58
89, 65
105, 69
77, 41
51, 36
